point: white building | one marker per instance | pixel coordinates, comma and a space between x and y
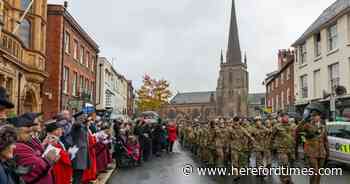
323, 55
111, 88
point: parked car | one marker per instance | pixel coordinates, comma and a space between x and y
339, 141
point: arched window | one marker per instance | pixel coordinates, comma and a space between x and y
25, 4
25, 32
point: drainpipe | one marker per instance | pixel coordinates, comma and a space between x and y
19, 94
62, 61
100, 85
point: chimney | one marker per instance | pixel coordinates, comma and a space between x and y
65, 4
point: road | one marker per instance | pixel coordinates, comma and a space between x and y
168, 170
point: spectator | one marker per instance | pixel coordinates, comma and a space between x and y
66, 122
171, 135
79, 135
26, 155
63, 168
8, 139
90, 173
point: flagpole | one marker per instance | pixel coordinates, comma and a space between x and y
22, 17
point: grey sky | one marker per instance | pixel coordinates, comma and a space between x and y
181, 40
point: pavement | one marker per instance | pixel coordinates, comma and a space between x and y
168, 170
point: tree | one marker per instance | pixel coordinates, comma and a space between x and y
153, 94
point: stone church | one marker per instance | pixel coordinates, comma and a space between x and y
231, 95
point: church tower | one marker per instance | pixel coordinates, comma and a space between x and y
232, 87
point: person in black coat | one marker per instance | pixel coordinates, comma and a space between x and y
79, 135
157, 139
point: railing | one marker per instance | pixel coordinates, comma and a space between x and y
13, 47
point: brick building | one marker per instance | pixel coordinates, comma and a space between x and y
280, 84
72, 56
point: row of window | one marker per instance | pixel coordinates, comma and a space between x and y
284, 76
279, 102
332, 43
80, 53
79, 84
333, 76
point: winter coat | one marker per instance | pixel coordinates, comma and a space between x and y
41, 169
63, 168
172, 133
79, 135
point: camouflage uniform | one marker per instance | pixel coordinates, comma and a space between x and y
283, 143
204, 141
219, 146
316, 146
260, 135
238, 140
247, 148
268, 144
211, 146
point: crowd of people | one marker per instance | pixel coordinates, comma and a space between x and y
227, 142
137, 142
62, 150
74, 148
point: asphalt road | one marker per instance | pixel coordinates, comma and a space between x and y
168, 170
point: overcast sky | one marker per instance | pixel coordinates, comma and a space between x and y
180, 40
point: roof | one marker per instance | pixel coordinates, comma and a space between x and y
56, 9
192, 97
256, 98
337, 8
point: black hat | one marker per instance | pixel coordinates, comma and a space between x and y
80, 117
8, 136
25, 120
4, 101
52, 126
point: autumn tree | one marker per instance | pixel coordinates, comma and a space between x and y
153, 94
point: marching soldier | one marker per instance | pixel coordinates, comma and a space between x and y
219, 143
260, 135
283, 143
211, 143
316, 142
268, 143
238, 140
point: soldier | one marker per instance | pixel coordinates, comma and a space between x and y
268, 143
227, 132
211, 144
247, 148
219, 143
316, 145
204, 139
238, 139
283, 143
260, 135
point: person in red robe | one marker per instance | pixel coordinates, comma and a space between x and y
62, 170
91, 173
172, 131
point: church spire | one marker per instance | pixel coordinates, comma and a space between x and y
245, 58
234, 51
